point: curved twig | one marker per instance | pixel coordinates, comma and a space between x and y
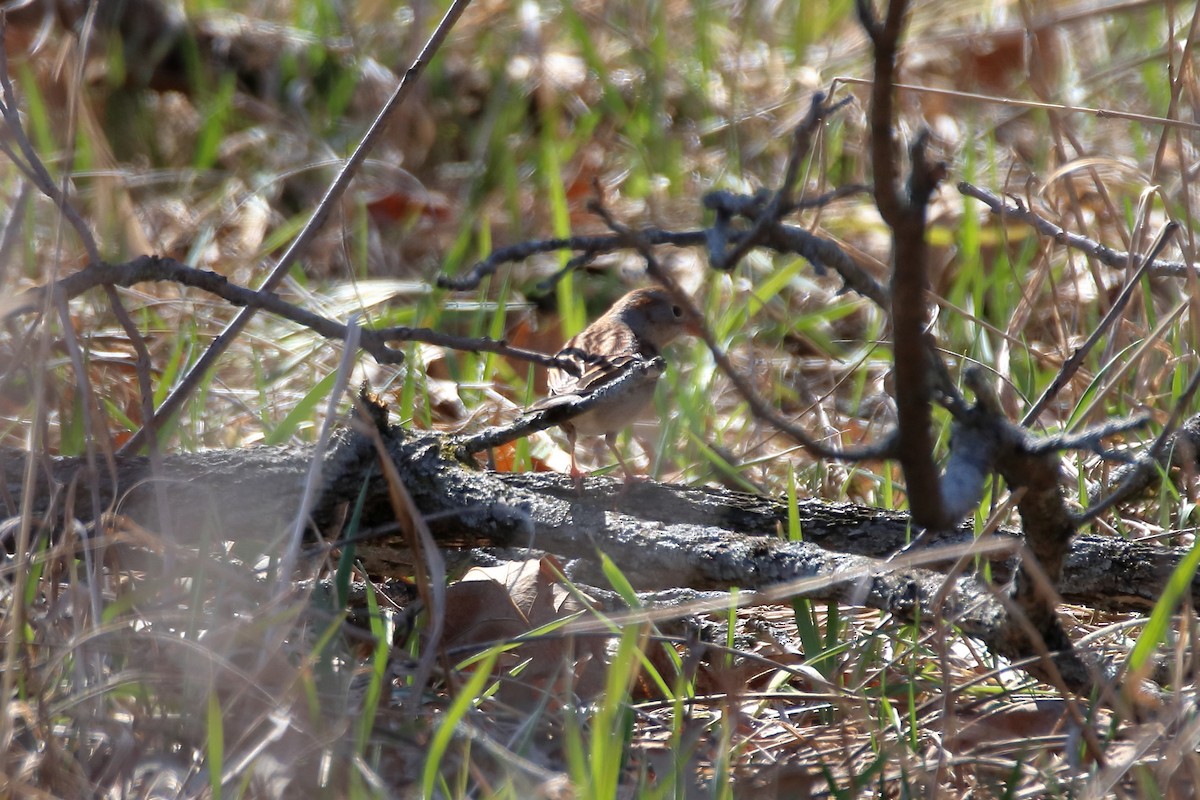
373, 340
1105, 255
634, 377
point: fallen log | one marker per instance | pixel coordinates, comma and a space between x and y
660, 536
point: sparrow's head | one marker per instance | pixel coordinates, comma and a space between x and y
654, 316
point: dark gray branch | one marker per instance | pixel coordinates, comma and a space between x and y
633, 378
1105, 255
373, 340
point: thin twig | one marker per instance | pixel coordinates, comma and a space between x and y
1102, 113
782, 201
32, 165
590, 246
633, 377
1105, 255
1072, 364
1091, 438
196, 375
573, 264
13, 232
373, 340
141, 366
820, 252
1133, 481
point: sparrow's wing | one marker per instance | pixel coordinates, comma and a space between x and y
597, 360
565, 387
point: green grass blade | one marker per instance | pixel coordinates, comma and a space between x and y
457, 711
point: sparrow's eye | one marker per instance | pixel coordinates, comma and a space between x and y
677, 311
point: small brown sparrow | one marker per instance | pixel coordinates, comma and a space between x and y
636, 328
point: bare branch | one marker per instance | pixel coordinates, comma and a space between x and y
782, 202
586, 245
916, 367
824, 253
373, 340
633, 377
1136, 478
1091, 438
764, 210
886, 40
1105, 255
1032, 476
1072, 364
